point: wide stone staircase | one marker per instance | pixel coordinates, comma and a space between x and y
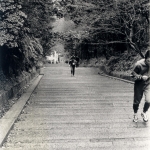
85, 112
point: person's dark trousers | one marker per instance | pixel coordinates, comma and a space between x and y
73, 70
139, 87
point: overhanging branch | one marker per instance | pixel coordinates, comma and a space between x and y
106, 43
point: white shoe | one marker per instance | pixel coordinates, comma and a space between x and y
135, 118
144, 116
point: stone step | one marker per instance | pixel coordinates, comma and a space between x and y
77, 125
85, 112
123, 145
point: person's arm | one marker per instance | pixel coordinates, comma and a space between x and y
135, 73
137, 76
69, 62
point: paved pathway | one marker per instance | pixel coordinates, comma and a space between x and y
85, 112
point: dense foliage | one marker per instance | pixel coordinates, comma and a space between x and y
113, 26
26, 37
25, 33
110, 28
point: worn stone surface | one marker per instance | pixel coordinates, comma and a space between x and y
85, 112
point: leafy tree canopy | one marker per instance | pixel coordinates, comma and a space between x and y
110, 23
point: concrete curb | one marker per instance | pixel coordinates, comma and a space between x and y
122, 77
8, 120
112, 77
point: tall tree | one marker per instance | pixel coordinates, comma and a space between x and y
112, 24
25, 28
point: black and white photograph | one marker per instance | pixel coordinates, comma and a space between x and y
74, 75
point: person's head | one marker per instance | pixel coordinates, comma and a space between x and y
147, 57
73, 57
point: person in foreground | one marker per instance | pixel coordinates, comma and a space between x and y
141, 74
72, 63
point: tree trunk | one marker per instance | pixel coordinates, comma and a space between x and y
132, 44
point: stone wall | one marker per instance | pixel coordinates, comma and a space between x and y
17, 89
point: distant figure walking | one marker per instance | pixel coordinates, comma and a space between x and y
141, 74
72, 63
